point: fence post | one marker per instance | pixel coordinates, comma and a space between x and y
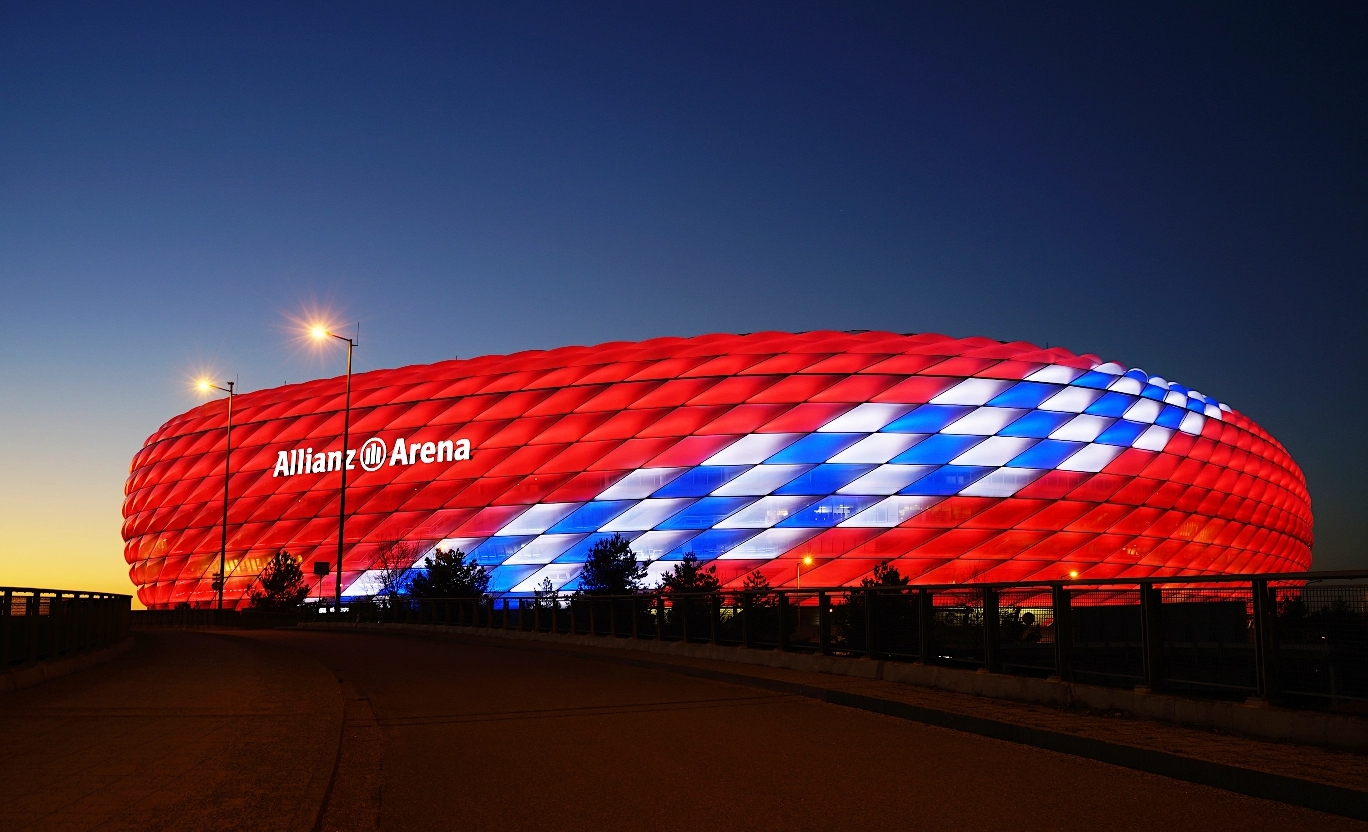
714, 614
1063, 632
1265, 639
56, 622
682, 602
31, 604
612, 618
660, 616
926, 624
869, 624
823, 625
570, 608
783, 616
991, 630
5, 615
636, 624
1151, 635
745, 619
593, 628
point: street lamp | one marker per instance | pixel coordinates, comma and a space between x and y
806, 561
321, 333
205, 386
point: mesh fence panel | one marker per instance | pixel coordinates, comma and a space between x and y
893, 614
1026, 631
957, 630
803, 617
1106, 636
1322, 637
731, 620
1208, 639
760, 613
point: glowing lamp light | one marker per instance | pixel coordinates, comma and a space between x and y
318, 333
807, 560
1073, 574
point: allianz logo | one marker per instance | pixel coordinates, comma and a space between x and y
372, 456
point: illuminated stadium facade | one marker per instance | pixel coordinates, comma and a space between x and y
959, 460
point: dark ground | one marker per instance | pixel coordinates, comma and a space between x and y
446, 734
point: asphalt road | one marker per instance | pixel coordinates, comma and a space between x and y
449, 735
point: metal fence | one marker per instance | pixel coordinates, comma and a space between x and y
1299, 639
42, 624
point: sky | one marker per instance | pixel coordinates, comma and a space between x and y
1177, 188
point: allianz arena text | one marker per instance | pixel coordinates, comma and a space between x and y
958, 460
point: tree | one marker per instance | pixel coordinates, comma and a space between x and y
756, 582
612, 568
893, 612
689, 576
280, 586
885, 574
394, 561
449, 575
761, 592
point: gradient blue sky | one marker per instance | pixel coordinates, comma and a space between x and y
1177, 189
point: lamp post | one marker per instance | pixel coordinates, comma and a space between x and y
318, 333
205, 386
806, 561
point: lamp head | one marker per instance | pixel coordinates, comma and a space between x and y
318, 333
807, 560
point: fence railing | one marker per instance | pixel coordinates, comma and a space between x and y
42, 624
1300, 639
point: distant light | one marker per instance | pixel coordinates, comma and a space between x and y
1073, 573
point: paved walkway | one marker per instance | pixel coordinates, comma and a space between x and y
214, 730
190, 730
477, 734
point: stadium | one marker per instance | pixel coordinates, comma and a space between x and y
810, 457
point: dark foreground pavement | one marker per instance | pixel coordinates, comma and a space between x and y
452, 734
189, 730
473, 735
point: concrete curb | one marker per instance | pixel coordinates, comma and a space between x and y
1296, 791
27, 677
